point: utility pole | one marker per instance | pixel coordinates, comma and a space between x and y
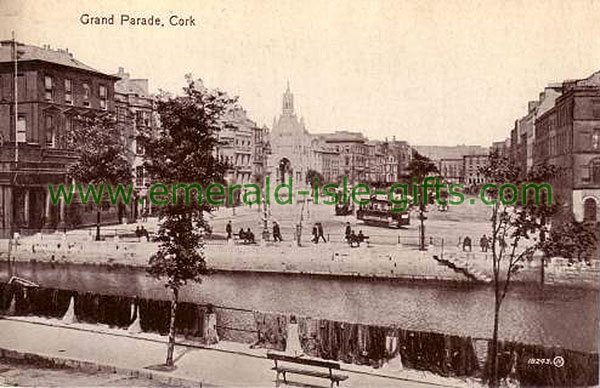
16, 100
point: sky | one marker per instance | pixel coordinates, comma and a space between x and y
429, 72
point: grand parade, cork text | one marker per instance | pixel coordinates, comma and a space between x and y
131, 20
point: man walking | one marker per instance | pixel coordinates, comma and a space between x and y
348, 231
320, 230
229, 230
467, 243
315, 234
276, 232
483, 242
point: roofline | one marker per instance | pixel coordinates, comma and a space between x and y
97, 72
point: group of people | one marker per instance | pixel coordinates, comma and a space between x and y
142, 232
245, 235
352, 238
484, 243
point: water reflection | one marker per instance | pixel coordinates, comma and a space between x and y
528, 315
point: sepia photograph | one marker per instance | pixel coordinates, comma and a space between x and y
278, 193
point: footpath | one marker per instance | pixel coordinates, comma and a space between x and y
99, 348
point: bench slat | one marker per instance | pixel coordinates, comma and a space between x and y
325, 375
303, 361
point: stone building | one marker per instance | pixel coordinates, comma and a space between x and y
262, 148
452, 170
294, 151
236, 147
523, 134
353, 151
52, 88
135, 107
568, 136
471, 165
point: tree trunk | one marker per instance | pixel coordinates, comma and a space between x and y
494, 352
542, 281
98, 225
171, 345
542, 240
422, 236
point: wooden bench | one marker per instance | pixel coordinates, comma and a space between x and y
284, 369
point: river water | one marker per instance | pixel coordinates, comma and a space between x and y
564, 317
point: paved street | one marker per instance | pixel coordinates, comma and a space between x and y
227, 365
13, 374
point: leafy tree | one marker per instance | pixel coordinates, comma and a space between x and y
104, 157
311, 175
518, 230
571, 239
182, 153
542, 210
420, 167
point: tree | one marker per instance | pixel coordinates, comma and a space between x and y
103, 155
420, 167
311, 175
518, 230
571, 239
543, 211
182, 153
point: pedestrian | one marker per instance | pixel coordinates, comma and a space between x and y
361, 236
138, 232
144, 232
315, 234
229, 230
276, 232
483, 242
320, 230
467, 243
348, 231
353, 239
250, 236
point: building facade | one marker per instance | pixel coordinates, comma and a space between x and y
52, 88
294, 151
136, 108
452, 170
471, 165
568, 136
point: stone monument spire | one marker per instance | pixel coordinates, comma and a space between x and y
288, 102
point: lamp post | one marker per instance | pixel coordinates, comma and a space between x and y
265, 220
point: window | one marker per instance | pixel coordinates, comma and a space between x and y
595, 170
139, 148
596, 108
139, 175
68, 132
102, 94
596, 139
48, 88
68, 91
50, 133
86, 94
21, 129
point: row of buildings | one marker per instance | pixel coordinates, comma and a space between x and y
458, 164
52, 88
562, 127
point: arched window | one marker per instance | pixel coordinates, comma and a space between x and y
589, 210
